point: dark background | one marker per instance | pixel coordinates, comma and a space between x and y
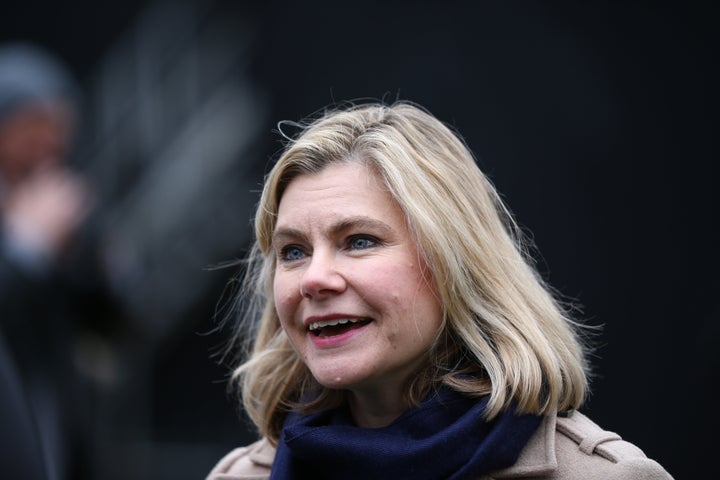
596, 122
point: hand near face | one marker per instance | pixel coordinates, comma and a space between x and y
43, 212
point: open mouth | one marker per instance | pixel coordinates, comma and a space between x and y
330, 328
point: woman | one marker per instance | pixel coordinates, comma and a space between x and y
404, 332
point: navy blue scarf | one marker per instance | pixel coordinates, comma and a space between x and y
445, 437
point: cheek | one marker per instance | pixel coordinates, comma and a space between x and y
402, 290
420, 303
286, 297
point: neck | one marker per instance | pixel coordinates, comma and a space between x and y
376, 409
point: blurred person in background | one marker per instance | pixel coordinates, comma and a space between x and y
47, 297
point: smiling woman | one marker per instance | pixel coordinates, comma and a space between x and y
353, 298
403, 330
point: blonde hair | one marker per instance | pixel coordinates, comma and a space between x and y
504, 333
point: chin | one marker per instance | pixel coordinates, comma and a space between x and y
334, 380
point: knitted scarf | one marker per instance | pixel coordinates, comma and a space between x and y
446, 437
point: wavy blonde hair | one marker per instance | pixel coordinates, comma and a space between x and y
504, 333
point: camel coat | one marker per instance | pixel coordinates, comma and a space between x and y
562, 448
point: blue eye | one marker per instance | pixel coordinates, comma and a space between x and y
362, 242
291, 253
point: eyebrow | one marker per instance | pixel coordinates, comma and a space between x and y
351, 223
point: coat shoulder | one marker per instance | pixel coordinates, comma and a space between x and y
252, 462
582, 446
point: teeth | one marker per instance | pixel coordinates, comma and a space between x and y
330, 323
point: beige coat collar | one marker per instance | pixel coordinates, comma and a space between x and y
263, 454
538, 456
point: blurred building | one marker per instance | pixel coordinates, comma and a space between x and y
172, 148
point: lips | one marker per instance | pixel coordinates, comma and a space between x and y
336, 326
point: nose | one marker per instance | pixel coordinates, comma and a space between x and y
322, 277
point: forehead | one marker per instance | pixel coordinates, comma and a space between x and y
336, 192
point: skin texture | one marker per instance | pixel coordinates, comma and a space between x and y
344, 251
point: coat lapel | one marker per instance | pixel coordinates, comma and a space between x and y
538, 456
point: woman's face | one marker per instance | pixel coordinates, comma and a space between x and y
349, 286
